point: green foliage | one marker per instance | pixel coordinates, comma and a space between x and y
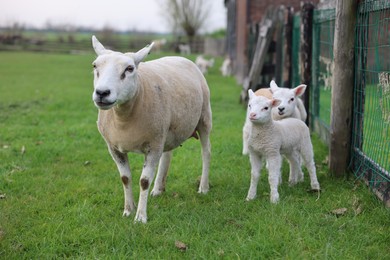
64, 198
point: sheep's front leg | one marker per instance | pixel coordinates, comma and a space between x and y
161, 178
122, 164
274, 164
147, 175
256, 165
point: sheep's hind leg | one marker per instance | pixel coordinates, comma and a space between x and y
311, 168
161, 178
122, 164
296, 174
204, 135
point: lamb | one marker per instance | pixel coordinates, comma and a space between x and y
185, 49
226, 68
204, 64
150, 108
290, 106
269, 139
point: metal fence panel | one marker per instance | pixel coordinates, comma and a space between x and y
371, 112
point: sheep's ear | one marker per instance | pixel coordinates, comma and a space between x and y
250, 93
141, 54
97, 46
273, 86
275, 102
300, 90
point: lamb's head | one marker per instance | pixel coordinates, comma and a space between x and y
260, 107
115, 75
288, 99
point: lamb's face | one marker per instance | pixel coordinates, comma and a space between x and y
259, 109
288, 102
114, 79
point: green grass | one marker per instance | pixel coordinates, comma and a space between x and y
64, 198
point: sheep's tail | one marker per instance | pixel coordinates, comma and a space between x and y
302, 110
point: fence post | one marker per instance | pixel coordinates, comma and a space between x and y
342, 87
306, 50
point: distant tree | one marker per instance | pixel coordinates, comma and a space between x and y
186, 16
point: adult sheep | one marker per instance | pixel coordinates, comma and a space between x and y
150, 108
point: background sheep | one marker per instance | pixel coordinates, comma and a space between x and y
290, 106
184, 49
150, 108
204, 64
226, 68
270, 139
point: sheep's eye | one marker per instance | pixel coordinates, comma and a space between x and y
265, 108
130, 68
249, 105
292, 99
94, 66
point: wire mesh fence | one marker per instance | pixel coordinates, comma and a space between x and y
371, 113
322, 71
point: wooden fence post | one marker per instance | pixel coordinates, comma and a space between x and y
342, 87
306, 50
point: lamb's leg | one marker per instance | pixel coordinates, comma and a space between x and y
122, 164
274, 165
311, 168
147, 175
256, 165
161, 178
204, 135
296, 174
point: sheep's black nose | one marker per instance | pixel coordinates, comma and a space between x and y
281, 109
103, 93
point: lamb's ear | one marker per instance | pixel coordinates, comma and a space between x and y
300, 90
97, 46
141, 54
275, 102
250, 93
273, 86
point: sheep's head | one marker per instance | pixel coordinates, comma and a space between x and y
288, 99
115, 75
259, 108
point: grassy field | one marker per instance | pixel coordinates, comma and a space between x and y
61, 195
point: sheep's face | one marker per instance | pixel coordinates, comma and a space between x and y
259, 108
115, 75
114, 80
288, 99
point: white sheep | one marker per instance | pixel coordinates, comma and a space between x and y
226, 68
185, 49
269, 139
204, 64
290, 106
150, 108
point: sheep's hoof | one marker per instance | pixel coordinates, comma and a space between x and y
155, 193
128, 209
139, 218
203, 190
248, 199
315, 186
126, 213
274, 199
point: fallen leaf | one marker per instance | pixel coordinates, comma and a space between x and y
87, 163
23, 150
339, 212
180, 245
2, 196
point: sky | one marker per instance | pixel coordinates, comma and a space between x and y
118, 14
